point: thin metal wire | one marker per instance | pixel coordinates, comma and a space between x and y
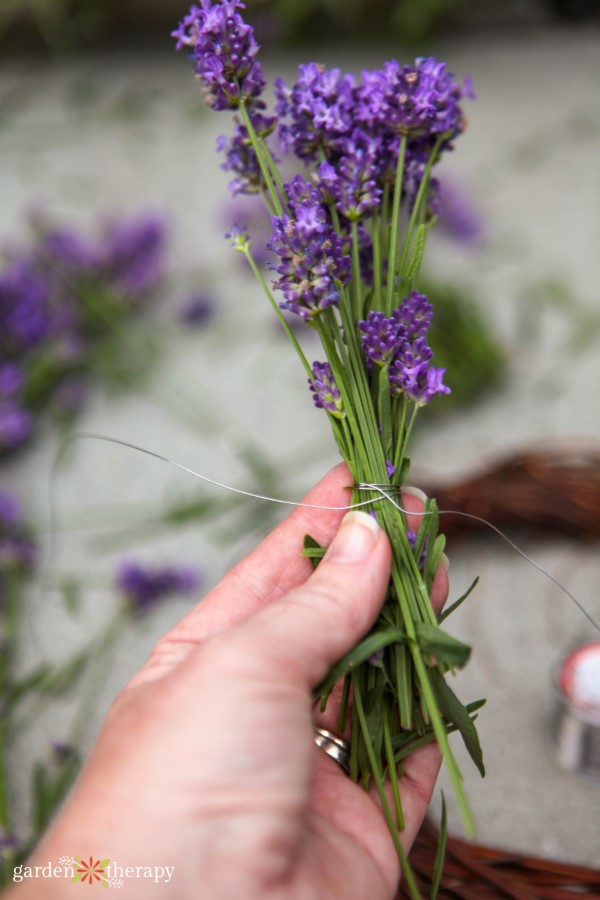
465, 515
383, 490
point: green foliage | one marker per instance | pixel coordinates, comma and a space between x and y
464, 344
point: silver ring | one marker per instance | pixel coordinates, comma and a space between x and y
335, 747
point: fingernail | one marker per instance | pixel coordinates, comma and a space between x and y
355, 539
415, 492
444, 562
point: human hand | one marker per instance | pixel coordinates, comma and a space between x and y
206, 761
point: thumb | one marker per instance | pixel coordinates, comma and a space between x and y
309, 629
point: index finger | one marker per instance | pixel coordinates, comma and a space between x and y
274, 568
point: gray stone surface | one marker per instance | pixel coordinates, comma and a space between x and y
122, 133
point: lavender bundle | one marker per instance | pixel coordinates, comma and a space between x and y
349, 236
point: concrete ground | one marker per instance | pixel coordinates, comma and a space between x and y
128, 133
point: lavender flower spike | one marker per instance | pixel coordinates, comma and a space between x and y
326, 393
224, 48
312, 266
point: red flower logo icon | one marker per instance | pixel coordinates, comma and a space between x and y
91, 871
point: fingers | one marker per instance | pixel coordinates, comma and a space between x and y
317, 623
274, 567
412, 501
265, 575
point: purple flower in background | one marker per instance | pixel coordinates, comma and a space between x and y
223, 47
458, 218
60, 246
143, 586
25, 314
8, 841
47, 325
11, 380
197, 311
62, 752
326, 394
10, 511
16, 424
132, 254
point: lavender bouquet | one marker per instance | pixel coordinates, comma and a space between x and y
348, 236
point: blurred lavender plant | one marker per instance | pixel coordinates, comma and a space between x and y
142, 587
23, 694
62, 298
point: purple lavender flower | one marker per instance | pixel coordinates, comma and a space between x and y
312, 266
352, 184
319, 107
143, 586
301, 192
326, 394
414, 316
423, 383
197, 311
400, 344
419, 100
380, 338
240, 157
412, 540
11, 380
8, 841
132, 254
238, 237
63, 247
24, 306
16, 424
10, 511
458, 218
376, 659
224, 48
62, 752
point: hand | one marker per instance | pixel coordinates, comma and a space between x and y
206, 761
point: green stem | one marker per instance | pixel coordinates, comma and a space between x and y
377, 262
290, 334
421, 196
358, 310
431, 706
391, 762
263, 156
395, 226
377, 775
